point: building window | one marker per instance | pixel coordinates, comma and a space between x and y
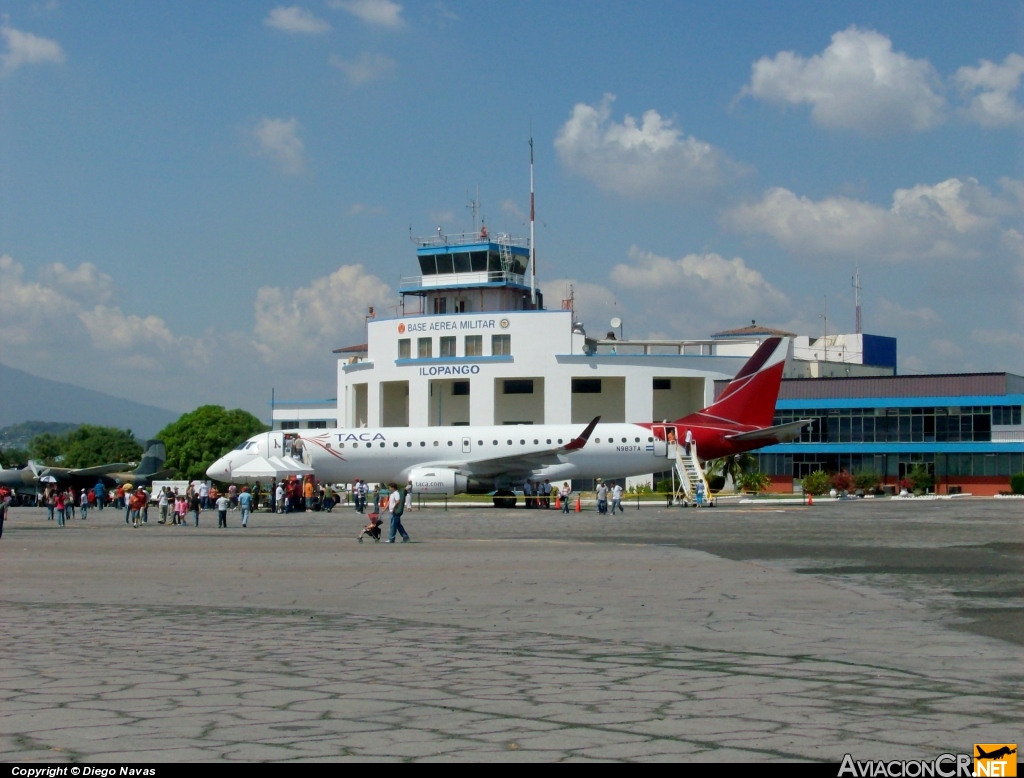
448, 346
404, 348
424, 348
289, 425
318, 425
501, 346
460, 388
663, 384
440, 305
518, 385
474, 345
586, 386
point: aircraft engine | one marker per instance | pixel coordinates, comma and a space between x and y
437, 480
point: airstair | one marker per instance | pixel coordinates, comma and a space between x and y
689, 473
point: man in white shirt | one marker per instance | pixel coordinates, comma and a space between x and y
617, 499
279, 497
396, 504
223, 503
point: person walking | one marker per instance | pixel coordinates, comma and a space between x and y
69, 503
396, 504
602, 496
5, 502
163, 502
85, 504
58, 506
195, 503
700, 494
279, 497
223, 503
245, 505
564, 495
100, 491
617, 499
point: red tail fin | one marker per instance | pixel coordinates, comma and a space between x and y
750, 396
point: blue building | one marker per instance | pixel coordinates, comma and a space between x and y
965, 428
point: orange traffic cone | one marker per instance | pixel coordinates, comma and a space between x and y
578, 508
810, 499
558, 503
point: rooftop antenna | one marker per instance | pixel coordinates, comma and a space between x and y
533, 250
856, 297
824, 320
474, 206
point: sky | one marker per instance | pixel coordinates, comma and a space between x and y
199, 201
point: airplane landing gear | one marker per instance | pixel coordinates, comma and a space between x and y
504, 499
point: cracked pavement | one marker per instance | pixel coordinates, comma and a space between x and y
742, 633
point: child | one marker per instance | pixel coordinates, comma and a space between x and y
372, 529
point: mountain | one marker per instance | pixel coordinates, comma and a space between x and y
25, 397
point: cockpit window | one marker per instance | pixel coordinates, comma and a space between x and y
241, 446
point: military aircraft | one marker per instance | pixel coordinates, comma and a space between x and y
480, 460
28, 479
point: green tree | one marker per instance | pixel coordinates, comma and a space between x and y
13, 457
817, 482
45, 448
85, 446
197, 439
90, 445
733, 467
920, 479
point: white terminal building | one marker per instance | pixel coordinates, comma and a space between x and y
475, 345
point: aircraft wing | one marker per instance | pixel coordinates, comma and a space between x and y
114, 467
518, 464
780, 433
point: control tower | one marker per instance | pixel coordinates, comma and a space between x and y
471, 272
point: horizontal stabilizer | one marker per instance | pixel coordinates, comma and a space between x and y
113, 467
781, 433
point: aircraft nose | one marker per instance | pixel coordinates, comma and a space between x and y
219, 470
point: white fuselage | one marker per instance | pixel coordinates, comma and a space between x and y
389, 454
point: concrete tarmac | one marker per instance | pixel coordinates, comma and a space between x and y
879, 628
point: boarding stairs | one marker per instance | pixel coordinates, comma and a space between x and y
689, 473
505, 251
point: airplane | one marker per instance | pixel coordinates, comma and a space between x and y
1004, 751
28, 479
483, 460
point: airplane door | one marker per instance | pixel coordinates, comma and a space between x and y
467, 445
660, 448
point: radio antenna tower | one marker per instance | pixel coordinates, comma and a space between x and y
855, 282
533, 250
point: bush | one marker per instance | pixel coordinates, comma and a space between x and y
868, 480
754, 482
919, 479
818, 482
663, 487
1017, 483
639, 489
842, 481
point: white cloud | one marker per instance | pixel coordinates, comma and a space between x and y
701, 283
295, 326
361, 209
84, 283
279, 140
857, 83
511, 207
990, 88
24, 48
294, 19
54, 327
365, 68
893, 317
383, 13
952, 219
648, 158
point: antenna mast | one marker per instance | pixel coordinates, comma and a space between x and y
856, 297
533, 250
